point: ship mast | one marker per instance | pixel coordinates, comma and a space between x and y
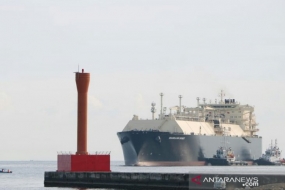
222, 96
161, 95
180, 97
198, 101
153, 110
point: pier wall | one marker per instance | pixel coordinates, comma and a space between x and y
80, 163
120, 180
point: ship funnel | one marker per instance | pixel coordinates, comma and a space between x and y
82, 83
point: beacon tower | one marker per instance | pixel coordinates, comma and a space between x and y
82, 160
82, 84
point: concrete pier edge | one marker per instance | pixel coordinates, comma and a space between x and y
126, 180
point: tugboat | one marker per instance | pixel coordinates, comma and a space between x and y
5, 171
271, 157
224, 156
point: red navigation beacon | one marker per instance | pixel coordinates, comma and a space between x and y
82, 160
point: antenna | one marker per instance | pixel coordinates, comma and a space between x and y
78, 68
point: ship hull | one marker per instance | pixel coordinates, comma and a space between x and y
263, 162
217, 162
225, 162
154, 148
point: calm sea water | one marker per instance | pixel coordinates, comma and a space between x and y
30, 174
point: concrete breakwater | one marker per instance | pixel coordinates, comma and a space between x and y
116, 180
124, 180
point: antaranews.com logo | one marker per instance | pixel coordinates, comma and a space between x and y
245, 181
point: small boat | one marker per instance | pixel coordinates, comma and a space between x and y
5, 171
271, 157
224, 157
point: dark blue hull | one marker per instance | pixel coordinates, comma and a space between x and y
153, 148
225, 162
217, 162
263, 162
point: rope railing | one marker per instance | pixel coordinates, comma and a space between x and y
89, 153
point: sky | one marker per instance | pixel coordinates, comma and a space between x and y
134, 50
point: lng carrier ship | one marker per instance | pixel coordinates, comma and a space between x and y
189, 135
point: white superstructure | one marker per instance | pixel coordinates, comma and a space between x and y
205, 119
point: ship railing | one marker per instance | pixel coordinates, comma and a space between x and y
233, 122
254, 130
218, 129
186, 118
65, 153
178, 133
252, 136
100, 153
89, 153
